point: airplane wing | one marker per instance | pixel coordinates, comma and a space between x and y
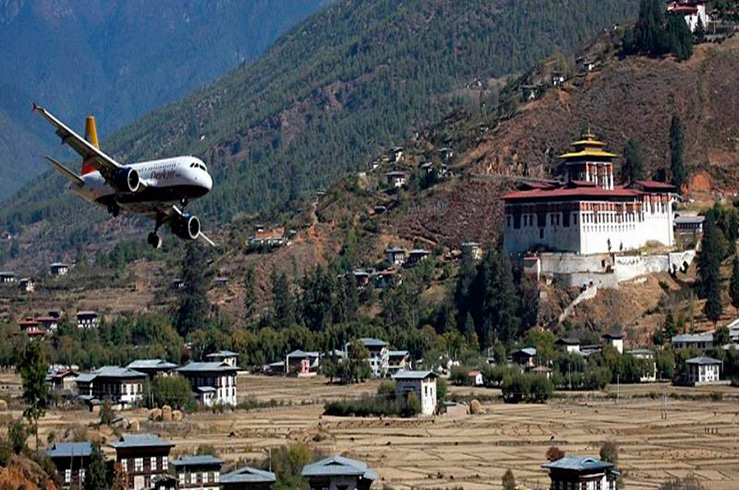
102, 162
175, 212
68, 174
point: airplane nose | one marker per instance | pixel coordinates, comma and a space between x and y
208, 181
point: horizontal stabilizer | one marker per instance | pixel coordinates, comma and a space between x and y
68, 174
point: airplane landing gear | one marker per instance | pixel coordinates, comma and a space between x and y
154, 240
183, 202
114, 209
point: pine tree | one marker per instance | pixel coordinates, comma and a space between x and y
508, 481
633, 167
33, 369
700, 32
469, 333
250, 294
96, 477
676, 153
734, 283
680, 38
194, 309
283, 302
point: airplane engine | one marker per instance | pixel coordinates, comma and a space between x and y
186, 227
127, 180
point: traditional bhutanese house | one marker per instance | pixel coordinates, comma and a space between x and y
71, 459
568, 344
143, 458
395, 255
526, 357
647, 357
474, 249
379, 355
7, 277
58, 269
689, 225
361, 278
475, 378
220, 282
545, 370
396, 179
26, 285
422, 383
303, 363
62, 380
152, 367
201, 472
269, 238
693, 12
32, 327
417, 255
387, 278
48, 322
587, 213
116, 384
248, 478
700, 341
205, 376
87, 319
581, 473
616, 340
398, 360
701, 371
337, 472
227, 356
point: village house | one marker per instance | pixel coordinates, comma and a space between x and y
474, 249
248, 478
581, 473
701, 371
71, 459
152, 367
396, 179
220, 282
26, 285
388, 278
379, 356
395, 256
647, 356
587, 213
32, 327
87, 319
303, 363
270, 238
690, 226
614, 339
58, 269
417, 255
700, 341
545, 370
475, 378
7, 277
339, 473
213, 382
229, 357
525, 358
558, 78
177, 284
531, 92
143, 458
398, 360
113, 383
49, 322
422, 383
568, 344
198, 472
62, 380
692, 11
361, 278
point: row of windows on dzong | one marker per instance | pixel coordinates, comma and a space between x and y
138, 464
563, 219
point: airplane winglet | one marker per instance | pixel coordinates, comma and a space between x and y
35, 107
68, 174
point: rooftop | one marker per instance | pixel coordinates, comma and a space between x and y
151, 364
69, 449
223, 353
140, 440
371, 342
413, 374
339, 466
578, 463
118, 372
703, 361
248, 474
194, 367
693, 337
302, 353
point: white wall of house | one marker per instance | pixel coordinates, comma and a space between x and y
425, 390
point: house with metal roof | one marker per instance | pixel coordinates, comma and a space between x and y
337, 472
647, 357
87, 319
227, 356
248, 478
303, 363
143, 457
398, 360
570, 345
701, 341
152, 367
526, 357
58, 269
379, 355
582, 473
113, 383
201, 471
701, 370
395, 255
219, 376
71, 459
422, 384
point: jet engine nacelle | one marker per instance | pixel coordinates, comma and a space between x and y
127, 180
186, 227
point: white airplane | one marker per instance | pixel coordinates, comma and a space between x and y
153, 188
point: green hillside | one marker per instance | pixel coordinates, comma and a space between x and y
356, 77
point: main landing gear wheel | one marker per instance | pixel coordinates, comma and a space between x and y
154, 240
114, 209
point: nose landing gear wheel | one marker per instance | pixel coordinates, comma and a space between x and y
154, 240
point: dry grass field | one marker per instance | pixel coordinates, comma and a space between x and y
470, 452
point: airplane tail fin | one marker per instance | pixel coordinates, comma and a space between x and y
91, 135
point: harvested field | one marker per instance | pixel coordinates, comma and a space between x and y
472, 452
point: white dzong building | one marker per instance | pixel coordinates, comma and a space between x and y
588, 213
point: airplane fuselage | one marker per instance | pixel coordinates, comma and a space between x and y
168, 181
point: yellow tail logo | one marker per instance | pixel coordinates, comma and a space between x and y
91, 135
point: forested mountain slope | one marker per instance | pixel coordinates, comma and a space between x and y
356, 77
117, 59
